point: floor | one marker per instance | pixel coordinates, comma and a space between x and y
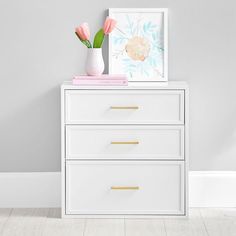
31, 222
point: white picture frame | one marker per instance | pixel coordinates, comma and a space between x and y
147, 30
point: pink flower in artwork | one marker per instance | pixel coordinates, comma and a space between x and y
109, 25
83, 31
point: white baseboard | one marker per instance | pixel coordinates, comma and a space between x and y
42, 189
212, 188
31, 189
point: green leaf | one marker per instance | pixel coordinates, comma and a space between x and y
98, 39
85, 42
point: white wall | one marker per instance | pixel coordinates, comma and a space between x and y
38, 50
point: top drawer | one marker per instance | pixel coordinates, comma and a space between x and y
124, 107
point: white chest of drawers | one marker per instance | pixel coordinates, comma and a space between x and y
124, 150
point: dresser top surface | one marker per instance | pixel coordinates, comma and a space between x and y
132, 85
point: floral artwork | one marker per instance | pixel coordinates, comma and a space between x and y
136, 47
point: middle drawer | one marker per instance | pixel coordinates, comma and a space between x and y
125, 142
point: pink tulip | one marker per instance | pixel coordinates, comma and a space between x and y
109, 25
83, 31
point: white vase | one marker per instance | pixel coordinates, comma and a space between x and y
94, 63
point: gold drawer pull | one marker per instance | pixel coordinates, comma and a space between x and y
124, 107
131, 142
124, 187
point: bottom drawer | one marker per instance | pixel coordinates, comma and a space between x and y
125, 187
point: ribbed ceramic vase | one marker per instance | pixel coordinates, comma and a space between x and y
94, 63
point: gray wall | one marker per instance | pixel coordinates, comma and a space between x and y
38, 51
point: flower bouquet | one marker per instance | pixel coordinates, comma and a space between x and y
94, 63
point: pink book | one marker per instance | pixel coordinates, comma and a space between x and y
100, 82
101, 77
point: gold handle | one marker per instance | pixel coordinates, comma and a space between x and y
124, 187
131, 142
124, 107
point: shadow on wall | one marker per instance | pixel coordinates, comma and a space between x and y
105, 46
212, 124
226, 148
31, 133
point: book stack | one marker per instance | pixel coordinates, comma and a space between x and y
101, 80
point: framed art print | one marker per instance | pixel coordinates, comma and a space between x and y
138, 46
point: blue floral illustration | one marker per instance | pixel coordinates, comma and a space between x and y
139, 45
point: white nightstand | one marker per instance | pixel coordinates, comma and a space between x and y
125, 150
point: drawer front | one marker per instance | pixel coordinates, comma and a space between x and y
94, 187
124, 107
125, 142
